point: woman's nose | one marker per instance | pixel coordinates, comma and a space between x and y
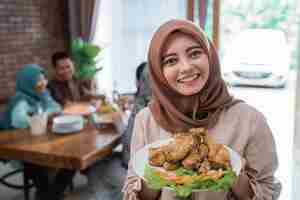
185, 65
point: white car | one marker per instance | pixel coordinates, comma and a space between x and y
257, 57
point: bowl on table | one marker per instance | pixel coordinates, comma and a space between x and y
67, 124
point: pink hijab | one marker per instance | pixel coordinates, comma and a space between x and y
166, 104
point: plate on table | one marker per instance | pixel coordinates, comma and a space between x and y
79, 109
67, 124
102, 120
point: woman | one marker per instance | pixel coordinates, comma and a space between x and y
31, 97
106, 177
142, 98
188, 92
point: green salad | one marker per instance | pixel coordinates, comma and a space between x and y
155, 181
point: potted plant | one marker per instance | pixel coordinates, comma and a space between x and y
84, 55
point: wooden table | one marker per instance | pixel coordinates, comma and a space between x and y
73, 151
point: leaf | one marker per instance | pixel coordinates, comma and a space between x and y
84, 54
153, 181
183, 191
76, 45
86, 72
182, 171
156, 182
90, 51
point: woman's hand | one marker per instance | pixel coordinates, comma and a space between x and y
241, 187
148, 193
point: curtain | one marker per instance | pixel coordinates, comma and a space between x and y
82, 18
190, 10
202, 13
82, 23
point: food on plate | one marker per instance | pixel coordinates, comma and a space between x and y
106, 108
190, 161
78, 109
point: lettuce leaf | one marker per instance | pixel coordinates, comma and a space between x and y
156, 182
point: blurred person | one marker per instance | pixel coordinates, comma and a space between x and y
106, 177
64, 87
141, 99
32, 97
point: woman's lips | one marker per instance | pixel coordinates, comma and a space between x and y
189, 78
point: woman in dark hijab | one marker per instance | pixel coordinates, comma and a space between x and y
189, 92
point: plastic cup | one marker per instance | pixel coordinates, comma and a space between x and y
38, 124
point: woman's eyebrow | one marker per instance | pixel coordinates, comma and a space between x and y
194, 47
168, 55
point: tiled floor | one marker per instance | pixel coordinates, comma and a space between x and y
11, 194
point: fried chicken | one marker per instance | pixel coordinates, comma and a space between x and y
194, 150
219, 155
156, 157
197, 155
178, 149
171, 166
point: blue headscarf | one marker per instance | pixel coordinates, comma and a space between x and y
27, 79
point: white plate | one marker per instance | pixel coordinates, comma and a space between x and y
67, 123
140, 160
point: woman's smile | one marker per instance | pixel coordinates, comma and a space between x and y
188, 78
185, 64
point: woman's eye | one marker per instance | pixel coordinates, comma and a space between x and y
170, 62
195, 54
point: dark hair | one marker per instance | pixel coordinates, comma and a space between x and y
58, 56
139, 70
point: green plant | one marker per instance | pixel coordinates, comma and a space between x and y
84, 55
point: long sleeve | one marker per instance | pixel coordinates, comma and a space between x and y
261, 158
19, 115
52, 106
126, 138
134, 187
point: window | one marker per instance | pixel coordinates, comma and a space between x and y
124, 29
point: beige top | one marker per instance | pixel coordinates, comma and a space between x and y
242, 128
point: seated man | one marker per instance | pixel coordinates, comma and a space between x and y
64, 87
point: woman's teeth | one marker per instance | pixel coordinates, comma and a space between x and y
188, 78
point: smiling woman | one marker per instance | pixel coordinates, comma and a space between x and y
185, 64
189, 92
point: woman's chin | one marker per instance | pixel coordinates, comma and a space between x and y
189, 91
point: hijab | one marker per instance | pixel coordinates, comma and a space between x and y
206, 105
26, 80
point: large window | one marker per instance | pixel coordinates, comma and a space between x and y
125, 28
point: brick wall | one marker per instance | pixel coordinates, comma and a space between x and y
30, 31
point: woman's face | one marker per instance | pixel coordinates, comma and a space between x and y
185, 64
41, 84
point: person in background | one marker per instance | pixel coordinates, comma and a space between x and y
106, 177
141, 100
64, 87
31, 97
189, 92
